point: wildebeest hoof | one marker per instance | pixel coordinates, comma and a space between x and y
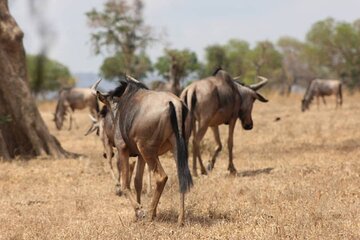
118, 190
203, 171
233, 171
210, 167
140, 214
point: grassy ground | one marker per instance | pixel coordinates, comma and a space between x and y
299, 178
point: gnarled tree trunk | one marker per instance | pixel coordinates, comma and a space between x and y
22, 130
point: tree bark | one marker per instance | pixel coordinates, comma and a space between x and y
23, 132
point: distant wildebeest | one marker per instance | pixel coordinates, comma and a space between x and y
149, 124
320, 88
219, 100
104, 128
71, 99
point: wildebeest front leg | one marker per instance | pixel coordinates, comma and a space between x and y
323, 98
148, 188
231, 167
109, 154
70, 120
317, 102
218, 147
125, 187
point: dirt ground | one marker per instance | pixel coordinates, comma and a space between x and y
298, 178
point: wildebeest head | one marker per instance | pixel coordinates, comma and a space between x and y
111, 99
304, 105
248, 96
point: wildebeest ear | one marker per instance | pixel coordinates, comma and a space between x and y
102, 97
261, 98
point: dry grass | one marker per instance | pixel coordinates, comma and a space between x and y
299, 178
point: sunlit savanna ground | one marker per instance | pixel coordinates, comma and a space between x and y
299, 178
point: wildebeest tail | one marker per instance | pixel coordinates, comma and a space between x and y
190, 100
177, 123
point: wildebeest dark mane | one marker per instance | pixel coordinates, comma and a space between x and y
216, 71
129, 86
308, 96
104, 110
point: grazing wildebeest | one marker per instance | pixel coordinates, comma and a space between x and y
71, 99
320, 88
149, 124
219, 100
104, 128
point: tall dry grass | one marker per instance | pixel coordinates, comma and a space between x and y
299, 178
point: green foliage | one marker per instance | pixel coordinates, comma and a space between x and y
238, 59
111, 67
177, 64
334, 50
47, 75
121, 31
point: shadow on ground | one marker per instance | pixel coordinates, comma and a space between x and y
251, 173
205, 220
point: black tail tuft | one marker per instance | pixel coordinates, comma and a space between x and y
185, 179
193, 101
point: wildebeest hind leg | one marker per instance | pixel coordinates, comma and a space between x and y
218, 147
139, 178
199, 136
160, 180
231, 166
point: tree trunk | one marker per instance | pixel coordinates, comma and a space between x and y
23, 132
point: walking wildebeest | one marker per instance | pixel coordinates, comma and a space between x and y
71, 99
219, 100
149, 124
104, 128
320, 88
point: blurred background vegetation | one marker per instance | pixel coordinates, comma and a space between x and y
331, 49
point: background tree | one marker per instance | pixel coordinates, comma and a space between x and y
54, 74
294, 64
266, 60
22, 130
215, 56
334, 50
175, 66
120, 30
237, 55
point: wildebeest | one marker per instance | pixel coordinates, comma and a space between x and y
320, 88
219, 100
104, 128
147, 125
71, 99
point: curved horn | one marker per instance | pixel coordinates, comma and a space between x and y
259, 85
237, 77
93, 87
131, 78
93, 128
92, 118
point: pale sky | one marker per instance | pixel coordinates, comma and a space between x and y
192, 24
